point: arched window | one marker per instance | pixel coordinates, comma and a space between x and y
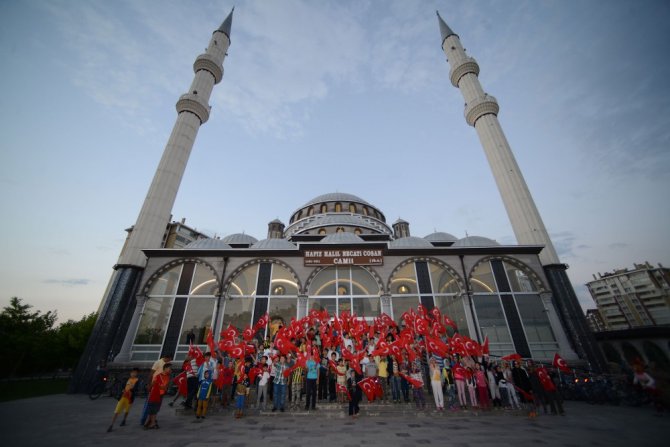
324, 208
339, 230
338, 207
352, 208
365, 210
338, 289
260, 288
437, 287
358, 231
310, 211
322, 231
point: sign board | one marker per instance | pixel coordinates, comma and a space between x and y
344, 257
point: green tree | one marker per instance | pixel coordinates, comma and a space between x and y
70, 340
24, 337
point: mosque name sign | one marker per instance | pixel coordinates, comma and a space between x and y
343, 257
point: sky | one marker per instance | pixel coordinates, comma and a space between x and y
327, 96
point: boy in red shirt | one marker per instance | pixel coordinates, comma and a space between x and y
159, 387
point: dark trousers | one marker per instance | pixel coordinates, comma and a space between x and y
310, 391
192, 385
332, 392
353, 403
323, 386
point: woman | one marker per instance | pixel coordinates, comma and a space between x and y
482, 387
436, 383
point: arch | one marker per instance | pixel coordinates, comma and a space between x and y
611, 354
352, 208
252, 262
631, 354
447, 267
371, 271
165, 267
323, 208
338, 207
530, 273
656, 355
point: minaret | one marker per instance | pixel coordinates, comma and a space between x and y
118, 303
481, 112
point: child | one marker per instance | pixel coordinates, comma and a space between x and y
341, 382
159, 386
126, 398
419, 400
240, 394
204, 391
263, 388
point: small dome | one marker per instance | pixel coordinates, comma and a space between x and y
440, 236
274, 244
410, 242
342, 238
475, 241
400, 221
239, 238
209, 244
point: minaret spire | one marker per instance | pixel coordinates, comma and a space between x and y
120, 301
227, 23
481, 112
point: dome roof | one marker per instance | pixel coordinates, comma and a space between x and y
410, 242
342, 238
475, 241
209, 244
274, 244
336, 219
337, 197
440, 236
239, 238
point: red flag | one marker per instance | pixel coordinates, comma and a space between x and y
369, 387
421, 310
472, 347
262, 322
248, 333
437, 315
196, 353
415, 383
238, 351
449, 322
210, 341
220, 376
560, 363
230, 332
485, 346
382, 349
283, 345
514, 356
180, 381
343, 389
422, 326
545, 380
437, 346
387, 320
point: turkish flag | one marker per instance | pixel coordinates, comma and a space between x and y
421, 310
248, 333
238, 351
437, 346
253, 373
514, 356
226, 345
560, 363
343, 389
196, 353
437, 315
411, 354
545, 379
387, 320
283, 345
415, 383
180, 381
438, 328
369, 387
472, 347
422, 326
210, 341
449, 322
485, 346
396, 350
382, 349
220, 376
230, 332
262, 322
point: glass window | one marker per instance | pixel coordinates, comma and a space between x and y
492, 318
310, 211
441, 280
281, 310
401, 304
322, 231
344, 305
454, 308
534, 318
329, 304
282, 281
324, 208
204, 281
197, 319
368, 307
352, 208
238, 312
404, 281
362, 282
481, 280
155, 317
245, 282
338, 207
166, 284
519, 281
323, 283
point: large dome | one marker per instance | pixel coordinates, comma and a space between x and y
410, 242
208, 244
274, 244
441, 236
336, 197
239, 239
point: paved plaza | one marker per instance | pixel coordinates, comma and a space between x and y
75, 420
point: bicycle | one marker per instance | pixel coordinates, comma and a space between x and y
105, 385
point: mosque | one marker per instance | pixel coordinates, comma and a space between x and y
338, 253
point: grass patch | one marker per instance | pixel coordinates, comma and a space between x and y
22, 389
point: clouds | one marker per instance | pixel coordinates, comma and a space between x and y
68, 282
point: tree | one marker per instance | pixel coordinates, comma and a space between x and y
24, 337
71, 338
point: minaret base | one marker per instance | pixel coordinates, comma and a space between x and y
572, 317
110, 327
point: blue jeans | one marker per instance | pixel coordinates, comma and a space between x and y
279, 396
395, 387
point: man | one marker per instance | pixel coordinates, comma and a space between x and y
159, 387
191, 381
279, 386
311, 382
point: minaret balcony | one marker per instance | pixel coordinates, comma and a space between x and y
484, 105
190, 102
462, 67
207, 62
